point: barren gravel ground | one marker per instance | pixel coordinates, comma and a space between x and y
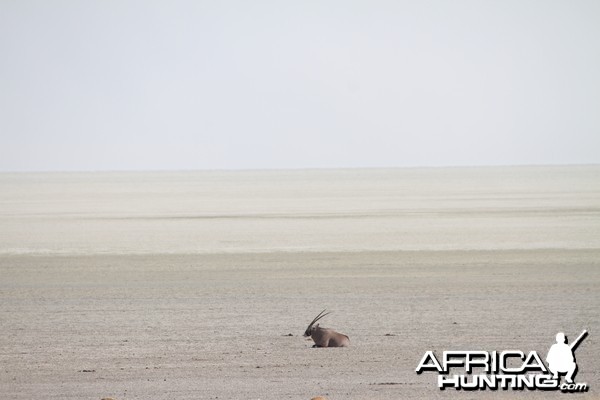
215, 326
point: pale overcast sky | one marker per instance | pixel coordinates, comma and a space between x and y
120, 85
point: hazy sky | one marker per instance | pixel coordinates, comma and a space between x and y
117, 85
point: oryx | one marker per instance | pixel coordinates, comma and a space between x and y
324, 337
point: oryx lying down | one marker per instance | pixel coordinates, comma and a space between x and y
324, 337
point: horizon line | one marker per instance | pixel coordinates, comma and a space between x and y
273, 169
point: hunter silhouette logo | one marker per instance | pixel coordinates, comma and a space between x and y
560, 356
509, 369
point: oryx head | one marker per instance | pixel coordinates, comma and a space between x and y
311, 326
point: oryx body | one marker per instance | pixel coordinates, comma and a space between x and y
324, 337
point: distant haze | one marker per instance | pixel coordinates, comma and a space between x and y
136, 85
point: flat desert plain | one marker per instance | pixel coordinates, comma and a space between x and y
199, 285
